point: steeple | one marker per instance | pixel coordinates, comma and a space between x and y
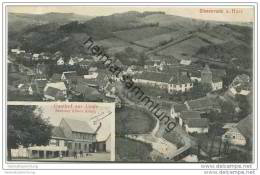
206, 75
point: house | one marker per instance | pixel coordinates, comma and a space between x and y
133, 69
17, 51
212, 79
35, 56
186, 115
154, 79
240, 85
179, 83
60, 61
74, 60
92, 70
71, 136
185, 62
54, 94
67, 75
197, 125
110, 90
55, 91
176, 109
217, 83
44, 56
91, 76
88, 93
240, 133
240, 79
171, 82
203, 105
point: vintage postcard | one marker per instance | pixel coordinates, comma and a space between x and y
181, 79
60, 132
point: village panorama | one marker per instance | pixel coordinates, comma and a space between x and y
198, 72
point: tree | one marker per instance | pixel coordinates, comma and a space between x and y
26, 127
243, 105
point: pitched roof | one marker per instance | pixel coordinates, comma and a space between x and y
57, 132
154, 76
219, 72
86, 90
56, 77
245, 126
190, 115
69, 74
202, 103
166, 107
179, 107
79, 126
216, 79
242, 78
180, 79
58, 85
164, 77
51, 91
197, 123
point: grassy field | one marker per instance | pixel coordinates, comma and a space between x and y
112, 42
209, 38
132, 121
113, 50
156, 41
141, 33
184, 49
132, 151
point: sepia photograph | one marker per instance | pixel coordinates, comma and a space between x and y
181, 79
60, 132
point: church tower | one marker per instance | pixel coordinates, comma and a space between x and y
206, 75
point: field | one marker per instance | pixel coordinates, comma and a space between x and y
140, 33
113, 50
112, 42
155, 41
212, 40
184, 49
132, 151
131, 121
115, 45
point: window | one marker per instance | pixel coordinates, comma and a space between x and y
79, 145
86, 147
57, 143
234, 137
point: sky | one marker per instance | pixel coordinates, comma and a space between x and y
243, 13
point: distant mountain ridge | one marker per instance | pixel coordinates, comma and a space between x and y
144, 32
